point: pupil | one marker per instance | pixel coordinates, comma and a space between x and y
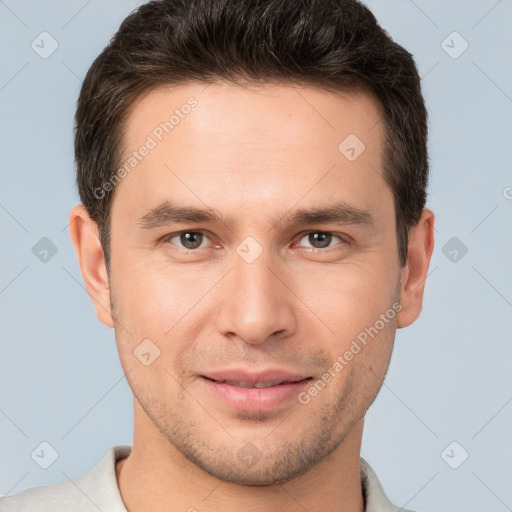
323, 239
193, 240
189, 240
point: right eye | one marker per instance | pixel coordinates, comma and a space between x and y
189, 240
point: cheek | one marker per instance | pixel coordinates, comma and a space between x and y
169, 302
162, 304
154, 309
345, 300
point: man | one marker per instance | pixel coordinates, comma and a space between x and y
253, 176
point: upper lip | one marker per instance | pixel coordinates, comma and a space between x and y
269, 375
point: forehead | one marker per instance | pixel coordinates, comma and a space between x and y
254, 113
253, 145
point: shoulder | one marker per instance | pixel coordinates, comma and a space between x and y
375, 497
90, 491
55, 497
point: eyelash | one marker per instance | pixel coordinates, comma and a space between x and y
166, 239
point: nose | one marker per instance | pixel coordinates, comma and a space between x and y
256, 302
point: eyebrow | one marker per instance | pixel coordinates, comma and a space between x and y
341, 213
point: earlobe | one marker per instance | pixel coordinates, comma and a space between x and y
414, 274
84, 235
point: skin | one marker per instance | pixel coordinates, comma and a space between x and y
252, 154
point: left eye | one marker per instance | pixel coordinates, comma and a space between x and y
192, 240
320, 239
189, 239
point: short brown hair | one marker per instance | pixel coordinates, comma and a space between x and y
336, 45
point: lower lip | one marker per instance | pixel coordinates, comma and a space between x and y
255, 400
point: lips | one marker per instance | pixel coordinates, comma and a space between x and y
257, 393
261, 379
259, 385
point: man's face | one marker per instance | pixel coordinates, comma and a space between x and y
257, 289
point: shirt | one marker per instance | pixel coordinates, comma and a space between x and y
97, 489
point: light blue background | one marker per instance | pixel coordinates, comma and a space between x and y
450, 376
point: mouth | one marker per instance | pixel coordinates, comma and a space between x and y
257, 385
255, 393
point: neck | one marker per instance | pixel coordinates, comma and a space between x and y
169, 481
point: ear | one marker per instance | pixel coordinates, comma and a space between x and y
414, 274
84, 234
